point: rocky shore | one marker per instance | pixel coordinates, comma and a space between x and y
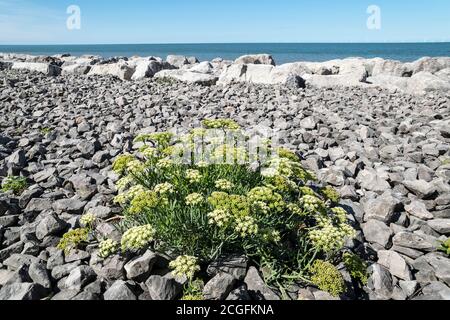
377, 130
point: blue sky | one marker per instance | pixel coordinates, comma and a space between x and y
203, 21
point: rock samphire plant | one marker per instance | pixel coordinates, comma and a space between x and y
272, 211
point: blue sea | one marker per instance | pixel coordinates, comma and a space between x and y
282, 52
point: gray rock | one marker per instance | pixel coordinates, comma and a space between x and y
437, 289
377, 232
139, 268
111, 268
419, 210
257, 288
219, 286
22, 291
71, 206
15, 261
396, 265
414, 241
380, 281
381, 208
441, 266
441, 226
50, 225
233, 265
162, 288
420, 188
39, 274
59, 272
79, 277
119, 291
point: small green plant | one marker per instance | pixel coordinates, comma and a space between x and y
445, 161
73, 239
45, 131
193, 291
445, 247
327, 278
331, 194
14, 184
356, 266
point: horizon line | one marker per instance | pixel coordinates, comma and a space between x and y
212, 43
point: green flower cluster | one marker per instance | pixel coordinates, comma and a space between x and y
327, 278
193, 176
221, 124
137, 238
120, 165
445, 247
88, 220
185, 266
14, 184
144, 200
271, 199
72, 239
224, 185
107, 248
194, 199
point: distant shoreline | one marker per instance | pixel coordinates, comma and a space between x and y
282, 52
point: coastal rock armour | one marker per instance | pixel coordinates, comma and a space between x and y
417, 78
386, 152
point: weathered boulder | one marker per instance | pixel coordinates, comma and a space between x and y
187, 76
148, 68
45, 68
120, 70
256, 59
177, 61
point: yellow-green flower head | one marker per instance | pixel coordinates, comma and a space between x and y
202, 164
246, 226
307, 191
137, 238
272, 236
260, 207
221, 124
164, 188
198, 133
164, 163
327, 278
269, 172
135, 167
264, 194
121, 163
295, 209
329, 237
123, 183
224, 185
143, 200
340, 214
107, 248
219, 217
194, 199
331, 194
193, 176
123, 198
149, 152
312, 204
185, 266
88, 220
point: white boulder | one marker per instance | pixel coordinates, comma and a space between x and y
256, 59
45, 68
119, 69
187, 76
